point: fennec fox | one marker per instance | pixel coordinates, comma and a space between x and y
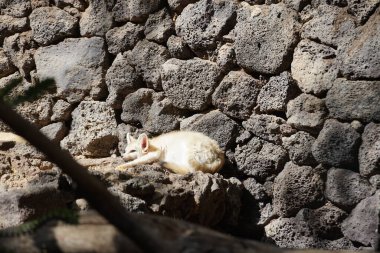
8, 136
180, 151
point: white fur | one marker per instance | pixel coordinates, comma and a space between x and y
179, 151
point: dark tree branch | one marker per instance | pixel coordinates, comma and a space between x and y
97, 195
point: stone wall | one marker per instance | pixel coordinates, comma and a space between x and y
290, 89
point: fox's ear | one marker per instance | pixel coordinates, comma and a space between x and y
130, 138
144, 142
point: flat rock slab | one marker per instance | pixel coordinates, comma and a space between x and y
76, 65
204, 198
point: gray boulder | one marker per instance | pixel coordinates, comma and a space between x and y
189, 84
93, 130
10, 25
291, 233
259, 158
359, 58
226, 59
82, 75
275, 94
369, 152
134, 10
363, 222
45, 31
351, 100
26, 163
314, 67
15, 8
147, 58
267, 127
255, 189
19, 89
236, 94
121, 79
296, 234
297, 5
337, 144
346, 188
178, 48
6, 66
204, 23
152, 110
61, 111
96, 20
265, 37
159, 26
325, 221
299, 148
296, 187
77, 4
330, 25
306, 112
55, 131
38, 111
375, 181
215, 125
20, 49
123, 38
179, 5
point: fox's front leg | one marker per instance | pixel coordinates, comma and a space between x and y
148, 158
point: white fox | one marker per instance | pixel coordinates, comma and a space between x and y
8, 136
179, 151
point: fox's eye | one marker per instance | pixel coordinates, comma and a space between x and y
132, 150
